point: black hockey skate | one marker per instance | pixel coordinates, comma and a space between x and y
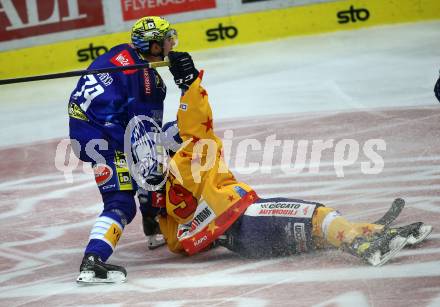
415, 232
378, 249
152, 231
95, 271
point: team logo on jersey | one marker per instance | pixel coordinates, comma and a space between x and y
123, 58
103, 173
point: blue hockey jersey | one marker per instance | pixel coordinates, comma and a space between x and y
110, 100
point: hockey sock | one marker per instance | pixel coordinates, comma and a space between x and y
336, 230
105, 235
119, 210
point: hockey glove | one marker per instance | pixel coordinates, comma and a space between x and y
437, 89
182, 68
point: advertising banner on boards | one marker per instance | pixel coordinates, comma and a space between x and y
22, 19
134, 9
248, 1
66, 45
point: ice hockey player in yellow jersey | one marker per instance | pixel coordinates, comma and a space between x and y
206, 205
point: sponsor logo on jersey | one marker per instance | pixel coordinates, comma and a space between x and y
147, 84
300, 237
280, 205
201, 240
124, 178
103, 173
200, 218
109, 186
76, 112
280, 212
123, 58
285, 209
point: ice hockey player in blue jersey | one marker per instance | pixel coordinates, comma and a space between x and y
100, 108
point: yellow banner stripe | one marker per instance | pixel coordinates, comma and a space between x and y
250, 27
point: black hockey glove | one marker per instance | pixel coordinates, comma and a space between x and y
437, 89
182, 68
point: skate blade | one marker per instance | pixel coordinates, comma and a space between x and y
424, 232
113, 277
377, 259
155, 241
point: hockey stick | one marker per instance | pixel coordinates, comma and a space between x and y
75, 73
392, 213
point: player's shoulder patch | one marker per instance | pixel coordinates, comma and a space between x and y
76, 112
124, 58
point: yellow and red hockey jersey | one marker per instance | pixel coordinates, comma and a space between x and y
203, 198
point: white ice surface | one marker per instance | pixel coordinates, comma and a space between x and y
376, 67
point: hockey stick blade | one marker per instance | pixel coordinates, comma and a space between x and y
77, 73
392, 213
